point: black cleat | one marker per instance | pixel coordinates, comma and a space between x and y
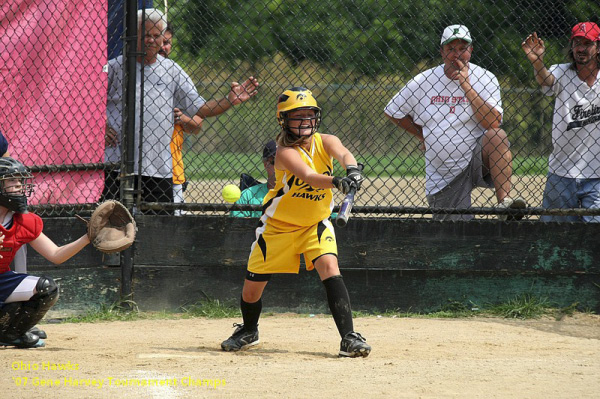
38, 332
354, 345
27, 340
241, 339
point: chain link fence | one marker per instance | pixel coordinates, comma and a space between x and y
355, 56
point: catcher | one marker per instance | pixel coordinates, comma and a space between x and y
25, 299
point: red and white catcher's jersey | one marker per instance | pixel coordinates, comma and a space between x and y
25, 228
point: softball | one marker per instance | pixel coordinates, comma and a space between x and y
231, 193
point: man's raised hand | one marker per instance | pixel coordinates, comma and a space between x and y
534, 48
243, 92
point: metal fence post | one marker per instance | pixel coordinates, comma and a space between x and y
127, 157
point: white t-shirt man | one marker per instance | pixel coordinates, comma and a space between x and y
450, 128
575, 125
166, 86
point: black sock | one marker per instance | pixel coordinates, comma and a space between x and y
339, 304
250, 314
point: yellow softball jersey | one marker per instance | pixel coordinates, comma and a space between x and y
295, 202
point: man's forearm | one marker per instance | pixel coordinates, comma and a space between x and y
409, 125
214, 108
542, 74
486, 115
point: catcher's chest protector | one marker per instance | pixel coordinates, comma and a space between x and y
26, 228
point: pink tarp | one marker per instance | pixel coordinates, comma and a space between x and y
53, 92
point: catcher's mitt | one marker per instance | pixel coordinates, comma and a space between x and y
111, 227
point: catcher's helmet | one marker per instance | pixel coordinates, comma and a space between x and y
14, 196
294, 99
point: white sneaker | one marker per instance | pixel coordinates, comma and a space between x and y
511, 203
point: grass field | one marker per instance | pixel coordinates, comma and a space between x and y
229, 165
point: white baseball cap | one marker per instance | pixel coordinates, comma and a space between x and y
454, 32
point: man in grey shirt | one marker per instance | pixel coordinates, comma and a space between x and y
166, 86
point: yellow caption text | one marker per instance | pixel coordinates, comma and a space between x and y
117, 382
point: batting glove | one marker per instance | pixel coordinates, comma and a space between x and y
344, 184
355, 173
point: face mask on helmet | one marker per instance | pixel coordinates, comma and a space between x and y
15, 185
293, 106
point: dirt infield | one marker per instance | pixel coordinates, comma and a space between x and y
411, 358
393, 191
